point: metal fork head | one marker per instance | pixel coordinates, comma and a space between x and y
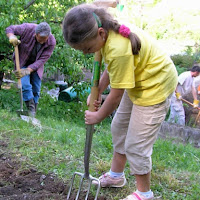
83, 178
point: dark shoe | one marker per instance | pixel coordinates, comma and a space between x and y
36, 104
31, 107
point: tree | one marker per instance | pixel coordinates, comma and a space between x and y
64, 58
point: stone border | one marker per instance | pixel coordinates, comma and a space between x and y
178, 133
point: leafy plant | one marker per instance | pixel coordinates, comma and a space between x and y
184, 61
64, 59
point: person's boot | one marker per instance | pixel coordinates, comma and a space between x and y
36, 104
31, 107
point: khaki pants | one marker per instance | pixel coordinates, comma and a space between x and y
134, 131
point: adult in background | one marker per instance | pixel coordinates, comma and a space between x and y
185, 86
142, 78
36, 47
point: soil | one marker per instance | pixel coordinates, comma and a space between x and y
26, 183
192, 118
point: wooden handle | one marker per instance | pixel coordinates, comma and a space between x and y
17, 64
95, 80
93, 96
188, 103
196, 120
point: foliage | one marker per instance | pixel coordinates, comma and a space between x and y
9, 13
64, 58
186, 61
8, 103
180, 70
152, 16
183, 61
174, 21
82, 90
53, 108
175, 24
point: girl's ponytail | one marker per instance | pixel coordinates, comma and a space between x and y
109, 23
135, 41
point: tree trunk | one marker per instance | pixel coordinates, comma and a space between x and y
1, 78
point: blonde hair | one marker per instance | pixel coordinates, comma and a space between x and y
79, 25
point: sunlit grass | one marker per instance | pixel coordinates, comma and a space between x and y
58, 147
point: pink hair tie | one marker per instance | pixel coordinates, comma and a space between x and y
124, 31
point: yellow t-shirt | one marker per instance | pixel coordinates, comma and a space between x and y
149, 77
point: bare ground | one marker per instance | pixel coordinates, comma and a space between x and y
25, 183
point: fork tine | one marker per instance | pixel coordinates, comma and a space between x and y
98, 186
70, 188
89, 186
90, 179
80, 184
72, 183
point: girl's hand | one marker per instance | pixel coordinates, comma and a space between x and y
97, 103
91, 117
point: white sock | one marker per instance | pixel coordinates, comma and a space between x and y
115, 174
146, 194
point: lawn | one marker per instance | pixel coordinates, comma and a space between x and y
57, 147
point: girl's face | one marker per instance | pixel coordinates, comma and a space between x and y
93, 45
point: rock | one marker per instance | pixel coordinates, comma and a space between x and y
179, 133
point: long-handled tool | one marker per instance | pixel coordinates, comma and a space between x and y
184, 100
89, 134
21, 111
196, 120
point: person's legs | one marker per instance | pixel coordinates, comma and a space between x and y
26, 88
118, 162
180, 115
143, 182
172, 116
177, 112
31, 85
142, 132
134, 131
115, 177
28, 94
36, 86
119, 128
31, 107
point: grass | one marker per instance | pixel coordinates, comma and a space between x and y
58, 147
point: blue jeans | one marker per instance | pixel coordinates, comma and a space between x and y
31, 85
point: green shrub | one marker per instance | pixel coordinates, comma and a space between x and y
183, 61
180, 69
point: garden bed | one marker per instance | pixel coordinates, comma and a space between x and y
19, 182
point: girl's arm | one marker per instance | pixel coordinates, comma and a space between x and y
106, 3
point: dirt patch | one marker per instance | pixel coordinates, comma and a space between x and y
17, 183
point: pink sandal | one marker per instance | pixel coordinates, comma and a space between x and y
136, 196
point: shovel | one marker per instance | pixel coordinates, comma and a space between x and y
196, 120
89, 134
21, 111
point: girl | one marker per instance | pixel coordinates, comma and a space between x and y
142, 78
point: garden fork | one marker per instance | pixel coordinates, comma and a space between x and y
89, 134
